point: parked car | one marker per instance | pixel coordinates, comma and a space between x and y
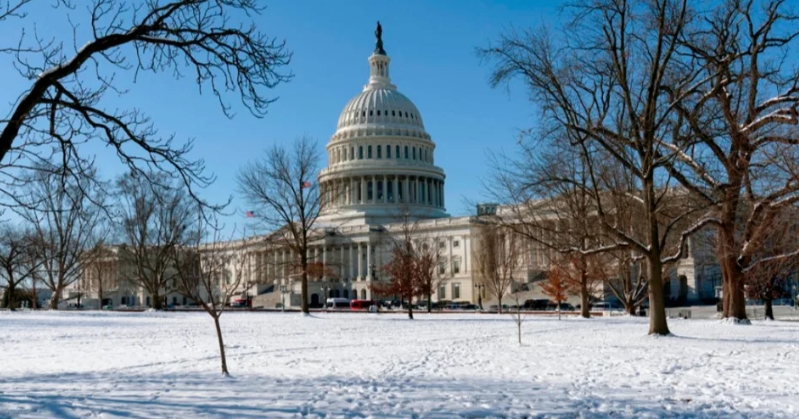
495, 308
563, 307
540, 304
361, 304
337, 303
605, 306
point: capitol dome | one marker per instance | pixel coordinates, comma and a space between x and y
381, 159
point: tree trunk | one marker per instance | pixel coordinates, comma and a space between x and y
100, 295
585, 309
158, 302
657, 307
499, 304
221, 343
734, 296
10, 296
519, 327
56, 297
769, 309
629, 307
430, 302
35, 299
410, 308
304, 283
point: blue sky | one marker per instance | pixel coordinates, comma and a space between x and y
431, 44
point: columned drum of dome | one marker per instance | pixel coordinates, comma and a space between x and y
381, 161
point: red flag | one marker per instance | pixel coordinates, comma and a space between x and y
249, 214
306, 184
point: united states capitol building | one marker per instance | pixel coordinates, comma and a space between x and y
382, 174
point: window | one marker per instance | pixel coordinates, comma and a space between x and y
399, 190
360, 152
406, 152
397, 153
369, 152
370, 113
369, 190
456, 291
392, 113
442, 292
388, 152
175, 300
378, 113
442, 268
352, 153
456, 266
414, 153
390, 191
184, 301
379, 152
379, 190
456, 243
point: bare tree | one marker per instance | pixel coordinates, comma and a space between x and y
767, 279
284, 198
65, 222
155, 218
739, 151
517, 314
16, 263
66, 82
496, 257
210, 274
599, 83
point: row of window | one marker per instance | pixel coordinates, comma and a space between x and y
410, 153
456, 291
397, 114
456, 267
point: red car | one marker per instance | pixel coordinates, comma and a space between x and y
361, 304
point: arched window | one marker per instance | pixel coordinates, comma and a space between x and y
388, 151
360, 153
406, 152
363, 294
352, 153
414, 153
369, 152
379, 152
397, 153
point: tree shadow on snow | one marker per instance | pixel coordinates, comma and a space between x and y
398, 395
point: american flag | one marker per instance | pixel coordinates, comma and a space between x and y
306, 184
249, 214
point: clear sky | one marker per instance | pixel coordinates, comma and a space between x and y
432, 47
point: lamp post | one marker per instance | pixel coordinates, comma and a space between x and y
283, 298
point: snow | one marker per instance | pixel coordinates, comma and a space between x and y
145, 365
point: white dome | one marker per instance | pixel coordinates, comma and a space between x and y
381, 106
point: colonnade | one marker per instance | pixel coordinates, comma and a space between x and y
340, 262
384, 189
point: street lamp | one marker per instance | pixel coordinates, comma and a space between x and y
283, 290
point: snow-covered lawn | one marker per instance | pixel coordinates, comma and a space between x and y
148, 365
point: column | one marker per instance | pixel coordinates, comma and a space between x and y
350, 265
343, 268
324, 262
374, 189
352, 194
385, 189
405, 189
363, 190
396, 189
368, 261
358, 262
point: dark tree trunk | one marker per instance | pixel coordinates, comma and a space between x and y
658, 324
769, 308
585, 306
499, 306
158, 302
630, 307
430, 302
304, 283
10, 296
410, 308
221, 343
